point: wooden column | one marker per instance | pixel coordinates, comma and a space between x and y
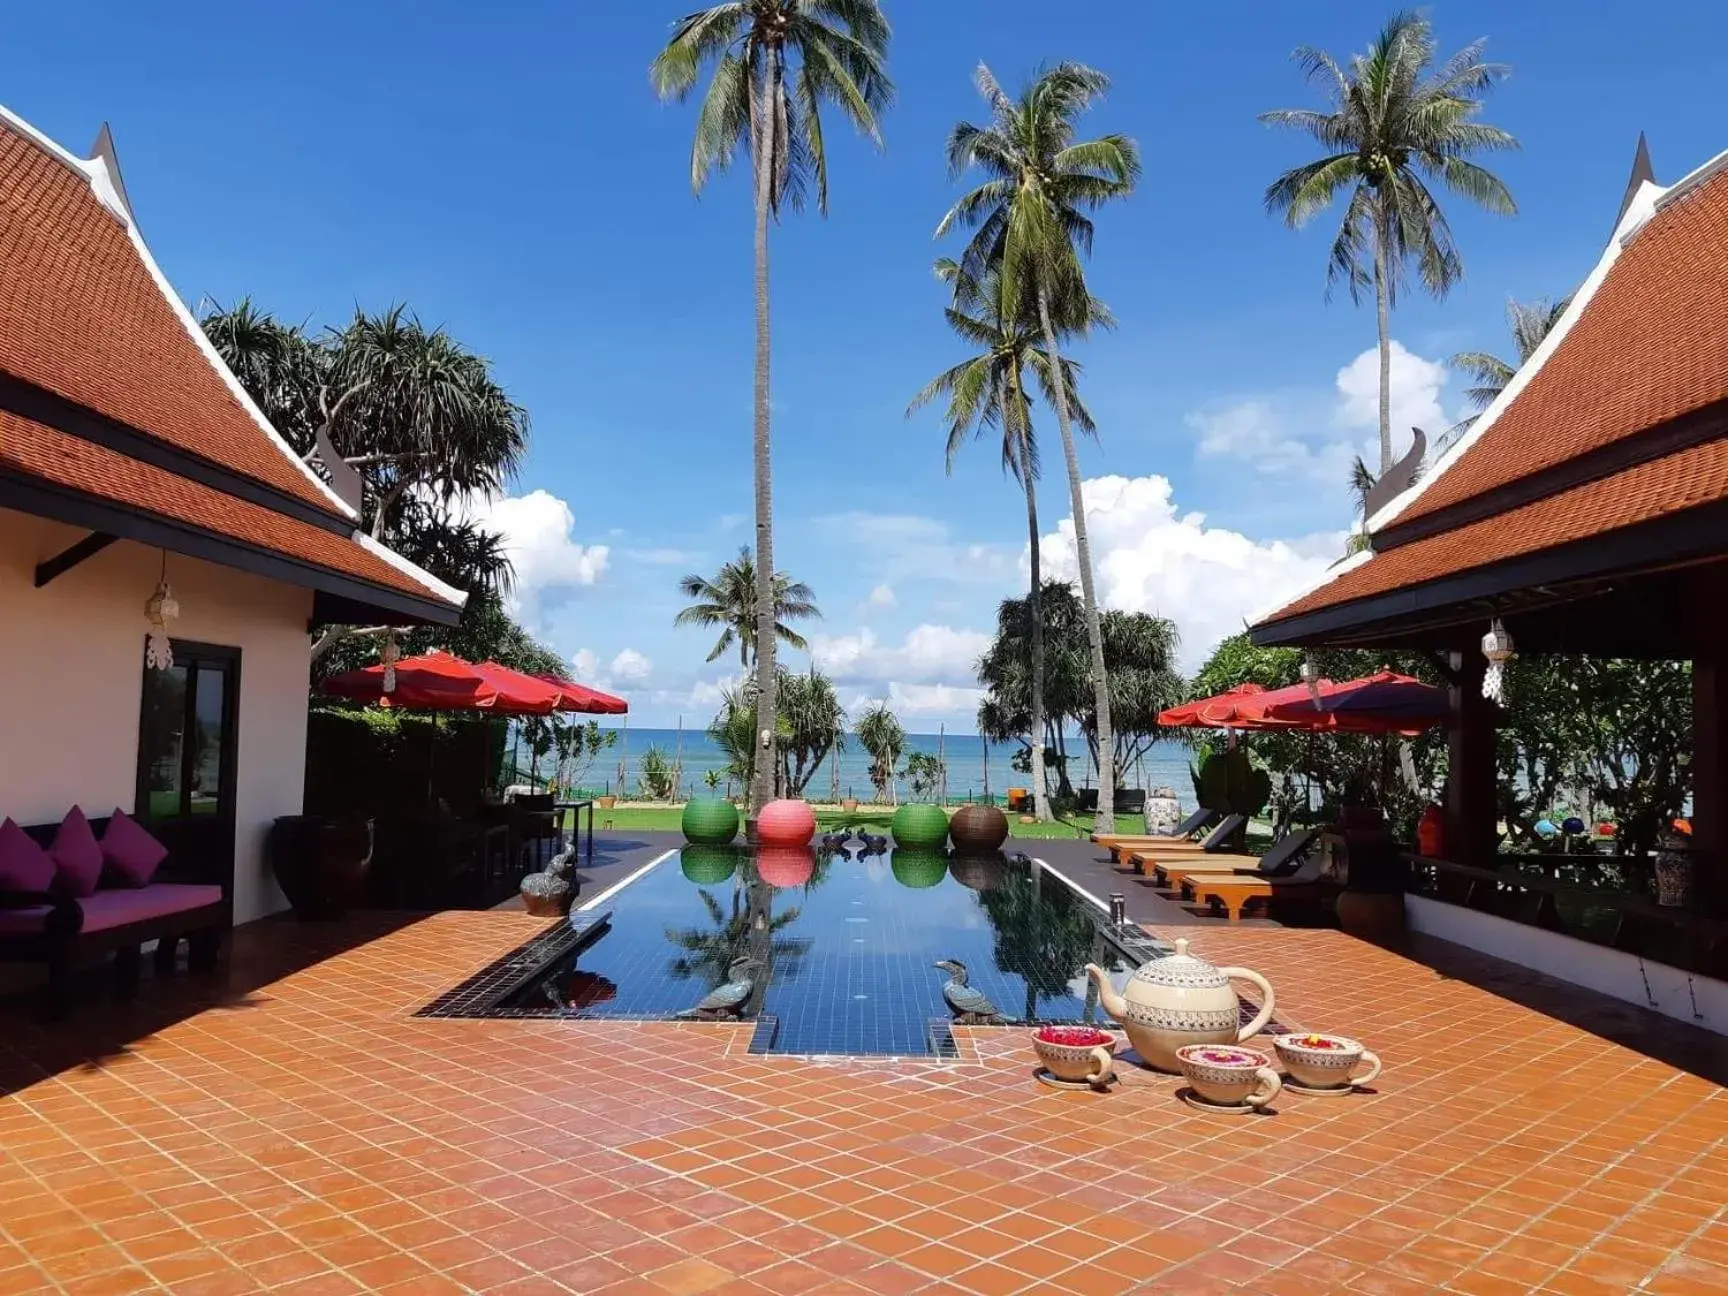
1710, 735
1472, 801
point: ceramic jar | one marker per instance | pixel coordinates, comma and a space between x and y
1181, 999
1228, 1076
1317, 1061
1076, 1054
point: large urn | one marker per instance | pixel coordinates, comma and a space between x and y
1178, 1000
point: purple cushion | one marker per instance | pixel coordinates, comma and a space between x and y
130, 854
77, 857
117, 908
24, 866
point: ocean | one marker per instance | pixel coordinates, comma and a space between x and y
972, 765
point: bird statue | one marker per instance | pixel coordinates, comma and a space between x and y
727, 1001
970, 1006
874, 845
835, 843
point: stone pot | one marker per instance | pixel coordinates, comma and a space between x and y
1181, 999
1374, 916
849, 804
978, 829
320, 863
606, 802
1076, 1054
1228, 1075
1317, 1061
1674, 871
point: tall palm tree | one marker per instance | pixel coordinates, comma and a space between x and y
728, 600
879, 733
1394, 122
1030, 222
1530, 323
989, 392
775, 63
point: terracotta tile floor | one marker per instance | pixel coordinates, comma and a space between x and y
297, 1130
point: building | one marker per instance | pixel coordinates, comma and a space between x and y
1586, 511
131, 456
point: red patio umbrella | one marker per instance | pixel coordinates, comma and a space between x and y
1189, 714
1384, 702
440, 681
579, 697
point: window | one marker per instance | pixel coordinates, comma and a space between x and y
186, 735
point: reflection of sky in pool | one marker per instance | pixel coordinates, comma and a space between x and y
849, 950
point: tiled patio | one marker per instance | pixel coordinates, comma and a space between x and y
297, 1130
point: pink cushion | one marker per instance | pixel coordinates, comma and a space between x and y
130, 854
118, 907
77, 857
24, 866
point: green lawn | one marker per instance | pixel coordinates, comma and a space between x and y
873, 819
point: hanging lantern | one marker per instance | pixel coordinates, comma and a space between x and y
1311, 677
1497, 647
162, 609
390, 654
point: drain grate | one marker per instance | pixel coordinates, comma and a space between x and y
480, 994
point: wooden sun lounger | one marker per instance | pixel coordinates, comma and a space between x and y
1122, 845
1198, 821
1234, 893
1283, 859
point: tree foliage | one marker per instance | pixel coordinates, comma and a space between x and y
1140, 651
1529, 323
881, 734
811, 724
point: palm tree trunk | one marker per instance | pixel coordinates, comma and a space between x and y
1040, 792
1106, 822
762, 777
1383, 320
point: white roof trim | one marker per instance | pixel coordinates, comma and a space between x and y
449, 593
1332, 573
95, 172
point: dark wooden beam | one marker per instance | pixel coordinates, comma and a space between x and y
68, 558
1710, 738
1472, 792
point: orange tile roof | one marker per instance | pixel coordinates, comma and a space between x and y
1650, 345
81, 315
65, 460
1679, 481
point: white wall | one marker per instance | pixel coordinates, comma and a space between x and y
71, 675
1684, 996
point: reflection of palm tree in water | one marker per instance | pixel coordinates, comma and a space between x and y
1043, 935
710, 952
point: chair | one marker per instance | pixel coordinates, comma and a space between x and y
1129, 850
1283, 858
1234, 893
1200, 819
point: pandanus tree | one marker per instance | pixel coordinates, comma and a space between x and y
776, 63
1029, 221
1529, 323
1394, 124
990, 392
402, 412
728, 600
880, 733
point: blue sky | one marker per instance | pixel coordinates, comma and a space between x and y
506, 171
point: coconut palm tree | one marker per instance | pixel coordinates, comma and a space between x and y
1030, 222
989, 392
776, 62
1394, 123
728, 600
1530, 322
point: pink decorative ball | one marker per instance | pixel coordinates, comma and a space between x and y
785, 866
786, 823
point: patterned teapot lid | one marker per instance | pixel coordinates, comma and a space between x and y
1181, 969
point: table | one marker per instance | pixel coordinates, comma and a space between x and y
575, 808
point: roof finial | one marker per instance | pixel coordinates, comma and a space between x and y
1642, 173
103, 150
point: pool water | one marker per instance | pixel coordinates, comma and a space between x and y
845, 946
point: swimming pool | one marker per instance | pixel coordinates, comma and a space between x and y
842, 947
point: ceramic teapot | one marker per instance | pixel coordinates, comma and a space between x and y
1181, 999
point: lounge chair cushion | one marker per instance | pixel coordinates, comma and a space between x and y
130, 855
77, 857
24, 866
116, 907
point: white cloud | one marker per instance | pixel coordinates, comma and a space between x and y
1415, 390
882, 596
629, 667
929, 654
537, 530
1252, 429
934, 700
905, 546
1149, 557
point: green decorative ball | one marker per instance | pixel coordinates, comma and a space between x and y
708, 865
709, 821
918, 868
922, 827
